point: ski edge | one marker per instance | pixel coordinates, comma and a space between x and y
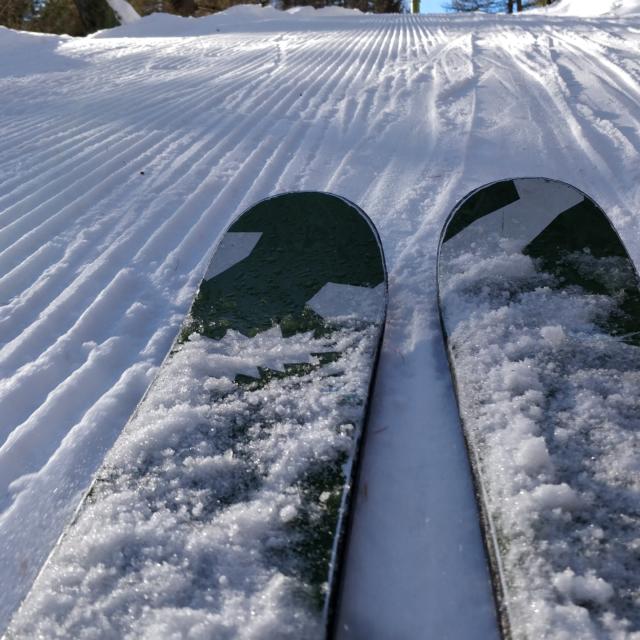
349, 496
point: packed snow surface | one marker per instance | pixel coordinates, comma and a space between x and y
123, 157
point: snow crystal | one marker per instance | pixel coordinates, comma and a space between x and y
519, 377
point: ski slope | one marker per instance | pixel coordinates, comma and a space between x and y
123, 157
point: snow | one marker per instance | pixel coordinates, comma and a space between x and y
124, 11
24, 54
212, 548
123, 157
583, 589
533, 363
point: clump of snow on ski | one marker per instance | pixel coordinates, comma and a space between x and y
550, 405
198, 517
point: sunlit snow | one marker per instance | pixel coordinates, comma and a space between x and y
123, 156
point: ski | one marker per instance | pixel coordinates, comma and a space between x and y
540, 311
223, 507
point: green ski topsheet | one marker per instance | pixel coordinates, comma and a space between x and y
222, 508
540, 309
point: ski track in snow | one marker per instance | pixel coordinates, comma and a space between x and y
123, 159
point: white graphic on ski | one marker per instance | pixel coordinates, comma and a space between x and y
518, 223
234, 247
336, 301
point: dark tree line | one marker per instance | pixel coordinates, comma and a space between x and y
494, 6
57, 16
80, 17
12, 12
370, 6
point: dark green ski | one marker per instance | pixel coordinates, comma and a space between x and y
540, 311
222, 510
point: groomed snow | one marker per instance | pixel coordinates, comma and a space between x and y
122, 158
551, 405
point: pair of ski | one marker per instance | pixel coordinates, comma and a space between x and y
223, 509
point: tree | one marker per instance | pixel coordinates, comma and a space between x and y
493, 6
388, 6
14, 12
96, 15
46, 16
57, 16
